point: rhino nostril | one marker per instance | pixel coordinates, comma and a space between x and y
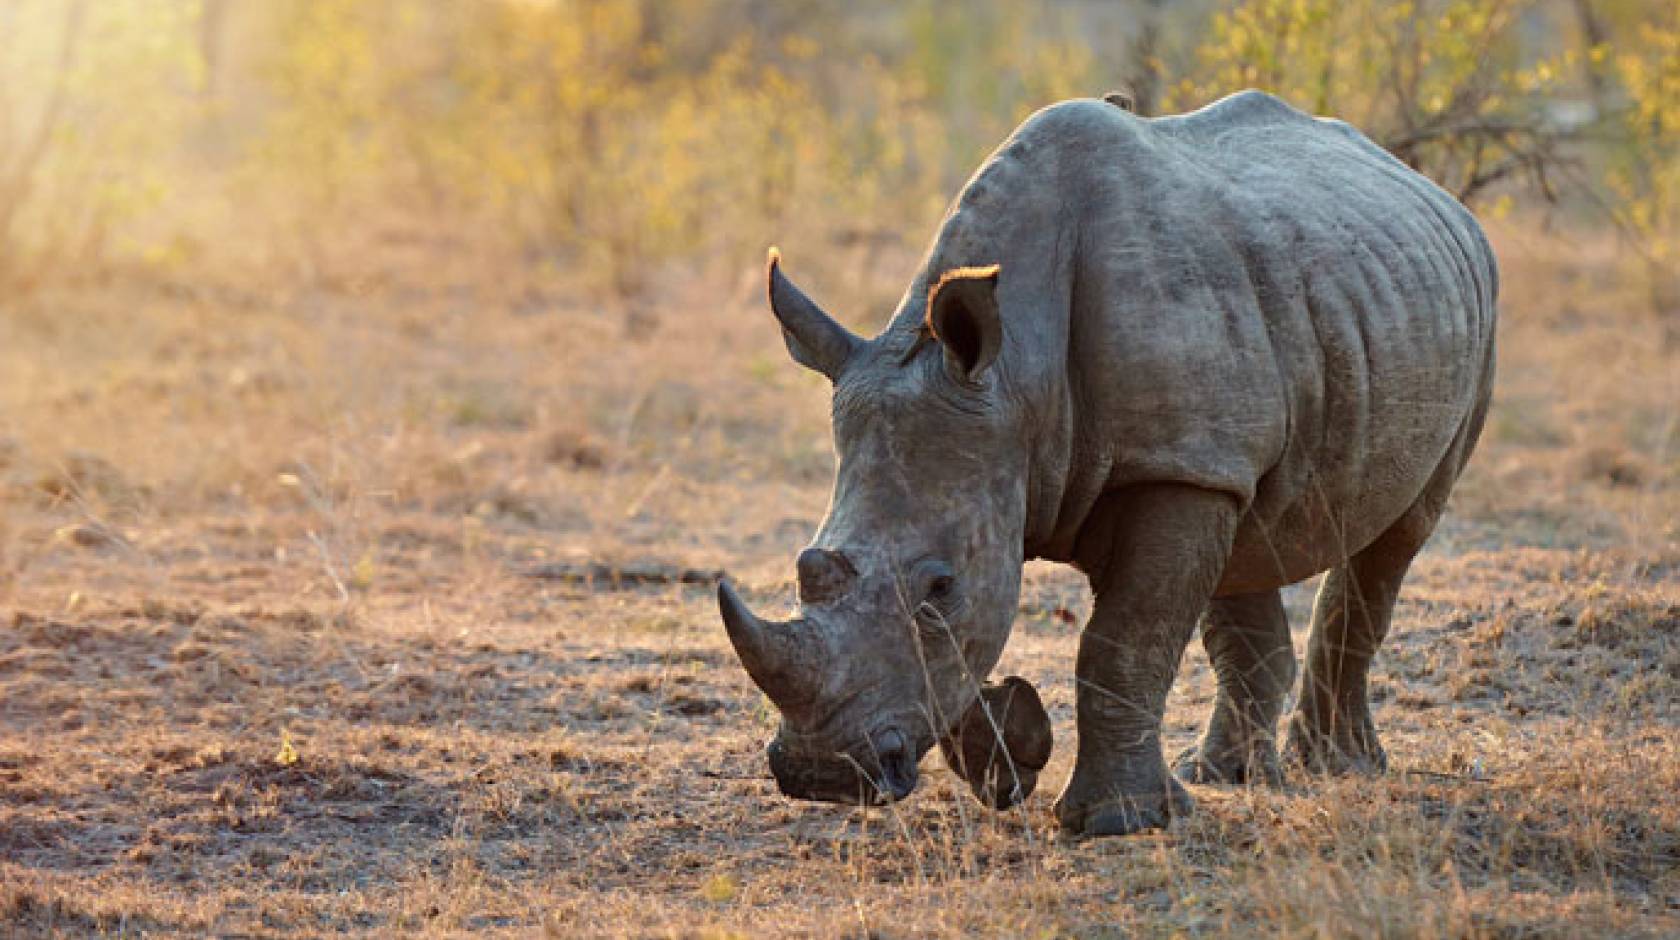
897, 763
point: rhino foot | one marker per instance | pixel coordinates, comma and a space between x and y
1255, 762
1124, 814
1349, 746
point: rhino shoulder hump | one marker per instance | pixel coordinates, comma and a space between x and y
1079, 123
1252, 106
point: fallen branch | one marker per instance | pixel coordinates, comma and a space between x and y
604, 576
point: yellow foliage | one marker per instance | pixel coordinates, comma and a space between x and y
1418, 75
1402, 72
91, 109
590, 129
720, 888
1646, 180
288, 753
613, 137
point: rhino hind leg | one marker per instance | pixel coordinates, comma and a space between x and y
1331, 731
1247, 640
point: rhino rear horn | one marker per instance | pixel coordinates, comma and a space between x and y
779, 656
823, 575
814, 339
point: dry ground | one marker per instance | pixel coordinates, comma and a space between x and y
361, 608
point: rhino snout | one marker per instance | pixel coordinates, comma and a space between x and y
884, 769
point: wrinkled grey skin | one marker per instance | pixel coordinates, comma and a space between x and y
1222, 352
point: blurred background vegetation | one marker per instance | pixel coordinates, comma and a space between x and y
609, 140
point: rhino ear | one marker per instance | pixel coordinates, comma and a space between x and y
963, 315
813, 337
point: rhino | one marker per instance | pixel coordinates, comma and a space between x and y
1197, 357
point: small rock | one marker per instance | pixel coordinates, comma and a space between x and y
574, 448
81, 475
90, 536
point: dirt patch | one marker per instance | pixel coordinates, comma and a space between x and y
449, 661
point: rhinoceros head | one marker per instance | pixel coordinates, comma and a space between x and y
909, 588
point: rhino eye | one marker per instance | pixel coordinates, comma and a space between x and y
939, 585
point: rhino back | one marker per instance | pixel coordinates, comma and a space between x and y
1257, 302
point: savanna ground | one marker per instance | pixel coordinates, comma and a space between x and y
384, 605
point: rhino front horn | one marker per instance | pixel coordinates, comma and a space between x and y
775, 653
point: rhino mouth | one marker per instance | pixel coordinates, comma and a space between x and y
884, 768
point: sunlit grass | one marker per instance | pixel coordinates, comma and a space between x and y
317, 362
472, 747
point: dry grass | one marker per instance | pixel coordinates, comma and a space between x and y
273, 659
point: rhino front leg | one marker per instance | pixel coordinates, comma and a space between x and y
1247, 640
1154, 555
